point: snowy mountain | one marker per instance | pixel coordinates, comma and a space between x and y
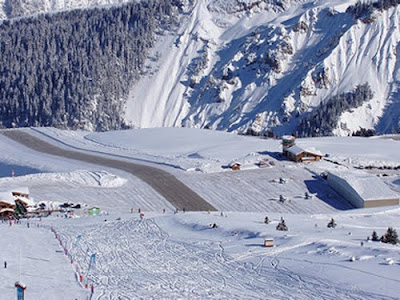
265, 65
258, 67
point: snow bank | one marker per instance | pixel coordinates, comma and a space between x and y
79, 178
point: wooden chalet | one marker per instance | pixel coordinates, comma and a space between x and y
298, 154
6, 200
6, 212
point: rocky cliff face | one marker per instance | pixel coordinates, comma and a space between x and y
262, 66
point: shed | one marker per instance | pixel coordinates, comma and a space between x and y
94, 211
362, 189
268, 242
235, 166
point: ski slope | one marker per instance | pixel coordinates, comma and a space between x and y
167, 255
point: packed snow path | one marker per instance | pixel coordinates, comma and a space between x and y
135, 258
173, 190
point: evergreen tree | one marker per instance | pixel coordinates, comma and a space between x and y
331, 223
73, 69
390, 236
282, 226
324, 118
374, 237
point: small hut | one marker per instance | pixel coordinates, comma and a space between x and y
94, 211
235, 166
268, 242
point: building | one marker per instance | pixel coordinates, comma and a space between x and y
362, 189
15, 200
7, 204
298, 154
21, 195
6, 200
268, 242
94, 211
235, 166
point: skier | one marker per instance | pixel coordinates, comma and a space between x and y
5, 265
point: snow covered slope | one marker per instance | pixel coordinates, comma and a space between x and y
167, 255
264, 65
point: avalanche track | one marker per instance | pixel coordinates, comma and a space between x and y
167, 185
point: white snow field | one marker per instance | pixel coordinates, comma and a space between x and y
180, 256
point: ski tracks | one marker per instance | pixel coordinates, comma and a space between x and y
137, 259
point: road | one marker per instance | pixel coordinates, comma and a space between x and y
167, 185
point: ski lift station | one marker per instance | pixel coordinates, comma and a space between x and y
362, 190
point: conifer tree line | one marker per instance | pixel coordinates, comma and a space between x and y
363, 10
323, 119
73, 69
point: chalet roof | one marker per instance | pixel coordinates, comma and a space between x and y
21, 190
367, 186
7, 197
313, 151
6, 210
27, 201
296, 150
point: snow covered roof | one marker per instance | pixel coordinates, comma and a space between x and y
6, 210
27, 201
21, 190
7, 197
367, 186
288, 137
295, 150
312, 150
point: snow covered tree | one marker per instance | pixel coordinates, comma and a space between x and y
324, 118
282, 225
374, 237
390, 236
73, 69
331, 223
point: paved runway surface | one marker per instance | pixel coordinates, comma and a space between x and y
173, 190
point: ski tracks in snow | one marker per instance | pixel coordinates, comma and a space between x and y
138, 259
